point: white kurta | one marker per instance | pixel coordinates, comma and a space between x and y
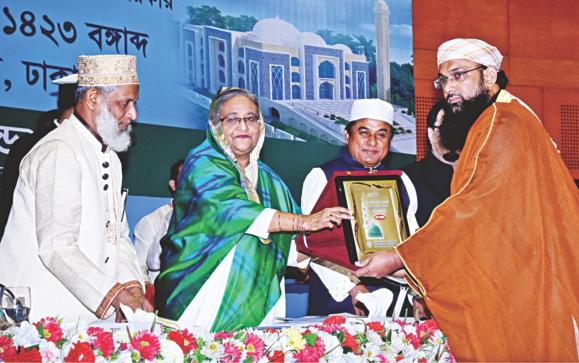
148, 234
67, 237
339, 285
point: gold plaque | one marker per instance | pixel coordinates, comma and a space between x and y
380, 222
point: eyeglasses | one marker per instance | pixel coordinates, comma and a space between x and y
441, 81
234, 121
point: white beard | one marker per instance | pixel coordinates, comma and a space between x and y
108, 129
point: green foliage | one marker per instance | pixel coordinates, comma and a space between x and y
211, 16
402, 85
311, 339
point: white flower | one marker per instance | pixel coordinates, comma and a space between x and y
212, 350
355, 327
25, 335
125, 357
121, 336
71, 329
272, 341
370, 351
373, 337
171, 351
49, 351
409, 329
333, 346
353, 358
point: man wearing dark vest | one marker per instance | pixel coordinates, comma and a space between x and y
334, 289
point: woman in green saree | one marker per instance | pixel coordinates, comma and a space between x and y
228, 243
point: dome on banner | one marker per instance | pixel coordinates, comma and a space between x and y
275, 31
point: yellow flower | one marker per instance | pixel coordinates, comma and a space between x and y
213, 346
296, 340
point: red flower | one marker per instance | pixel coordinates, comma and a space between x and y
49, 329
308, 354
222, 335
80, 352
184, 339
350, 343
422, 360
230, 353
331, 329
147, 345
376, 326
336, 319
30, 355
102, 341
7, 347
425, 330
382, 358
414, 340
254, 346
276, 356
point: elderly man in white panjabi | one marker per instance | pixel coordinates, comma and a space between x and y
67, 235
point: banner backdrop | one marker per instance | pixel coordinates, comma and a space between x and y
306, 60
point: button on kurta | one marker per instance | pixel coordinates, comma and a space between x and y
105, 176
106, 187
106, 164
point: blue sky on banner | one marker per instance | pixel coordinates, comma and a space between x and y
41, 39
352, 17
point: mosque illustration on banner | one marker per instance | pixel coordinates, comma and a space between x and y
305, 86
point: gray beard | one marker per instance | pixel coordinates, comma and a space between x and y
108, 129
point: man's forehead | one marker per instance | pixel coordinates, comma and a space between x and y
126, 91
456, 65
372, 124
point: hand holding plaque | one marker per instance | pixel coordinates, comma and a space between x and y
379, 219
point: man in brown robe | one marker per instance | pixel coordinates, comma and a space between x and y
497, 262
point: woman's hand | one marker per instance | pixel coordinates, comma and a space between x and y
326, 218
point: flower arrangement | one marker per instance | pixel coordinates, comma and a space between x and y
337, 339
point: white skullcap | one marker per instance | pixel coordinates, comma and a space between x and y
474, 50
372, 108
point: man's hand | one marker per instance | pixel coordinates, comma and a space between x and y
379, 264
132, 297
353, 293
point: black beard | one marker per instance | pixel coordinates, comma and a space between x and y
457, 123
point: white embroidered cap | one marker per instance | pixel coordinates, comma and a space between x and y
107, 70
474, 50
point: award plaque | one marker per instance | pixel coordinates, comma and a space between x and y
379, 219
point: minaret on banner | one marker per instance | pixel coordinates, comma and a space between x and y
382, 51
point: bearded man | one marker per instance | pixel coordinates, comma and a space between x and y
496, 262
67, 237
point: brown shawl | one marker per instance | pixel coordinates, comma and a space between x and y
498, 261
